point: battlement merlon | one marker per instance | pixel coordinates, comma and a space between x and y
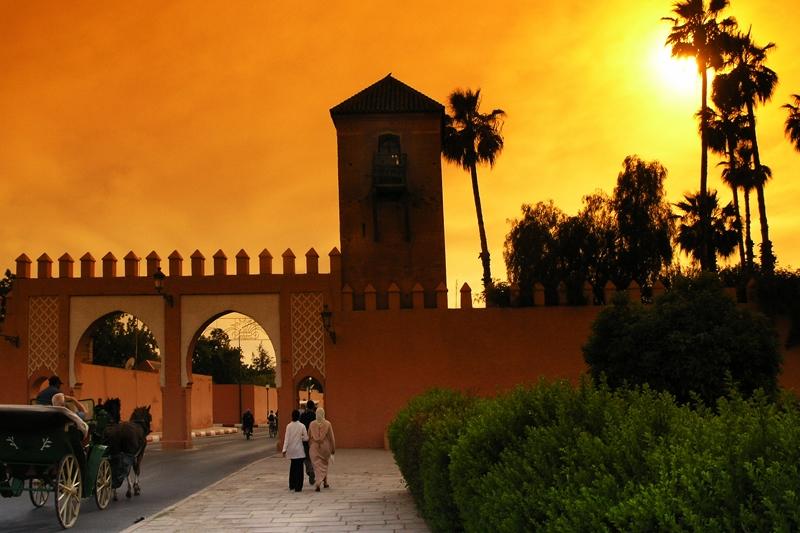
132, 262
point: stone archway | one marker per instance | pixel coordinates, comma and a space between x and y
86, 310
199, 311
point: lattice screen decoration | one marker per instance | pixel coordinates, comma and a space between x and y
43, 333
308, 336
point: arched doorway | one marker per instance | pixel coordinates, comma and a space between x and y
118, 356
310, 388
234, 354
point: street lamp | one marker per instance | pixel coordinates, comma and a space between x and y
158, 281
327, 322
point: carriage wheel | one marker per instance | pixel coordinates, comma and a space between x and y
38, 491
68, 491
102, 484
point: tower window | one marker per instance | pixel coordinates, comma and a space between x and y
389, 165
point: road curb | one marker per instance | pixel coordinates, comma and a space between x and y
199, 433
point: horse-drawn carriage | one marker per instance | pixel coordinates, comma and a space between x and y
42, 450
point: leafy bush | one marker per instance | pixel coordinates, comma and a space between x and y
558, 458
694, 340
497, 427
420, 437
440, 435
780, 294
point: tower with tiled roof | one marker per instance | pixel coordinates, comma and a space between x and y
391, 218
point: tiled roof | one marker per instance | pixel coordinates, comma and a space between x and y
388, 95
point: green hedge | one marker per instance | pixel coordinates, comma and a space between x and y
560, 458
421, 436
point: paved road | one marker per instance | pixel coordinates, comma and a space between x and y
167, 477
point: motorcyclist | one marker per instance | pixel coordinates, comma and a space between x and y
247, 423
273, 423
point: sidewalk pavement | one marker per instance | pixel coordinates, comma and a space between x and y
366, 494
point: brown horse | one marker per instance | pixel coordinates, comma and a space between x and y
126, 442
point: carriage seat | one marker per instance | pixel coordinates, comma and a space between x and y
23, 417
76, 420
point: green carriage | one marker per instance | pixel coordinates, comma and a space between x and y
43, 450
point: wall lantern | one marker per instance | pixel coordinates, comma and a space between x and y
327, 322
158, 281
13, 339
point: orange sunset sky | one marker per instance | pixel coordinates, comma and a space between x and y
204, 125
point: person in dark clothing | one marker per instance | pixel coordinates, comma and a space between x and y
46, 396
248, 420
308, 416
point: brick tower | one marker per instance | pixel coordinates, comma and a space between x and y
391, 219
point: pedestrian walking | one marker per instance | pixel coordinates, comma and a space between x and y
294, 438
308, 416
322, 447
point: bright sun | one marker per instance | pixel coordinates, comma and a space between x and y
676, 76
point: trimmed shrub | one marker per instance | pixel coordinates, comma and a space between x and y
693, 342
420, 437
498, 427
560, 458
440, 435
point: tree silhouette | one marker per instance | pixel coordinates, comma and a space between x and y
117, 337
532, 250
696, 32
724, 230
600, 219
6, 284
213, 355
742, 175
644, 221
793, 122
472, 138
755, 83
727, 129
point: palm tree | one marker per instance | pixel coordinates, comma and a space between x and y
741, 174
725, 131
724, 231
755, 83
696, 32
793, 122
472, 138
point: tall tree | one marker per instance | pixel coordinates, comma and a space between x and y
532, 250
727, 129
696, 32
213, 355
741, 174
724, 230
117, 337
472, 138
644, 221
755, 83
262, 370
792, 127
600, 220
6, 284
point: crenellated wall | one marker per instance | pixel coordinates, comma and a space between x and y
51, 310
